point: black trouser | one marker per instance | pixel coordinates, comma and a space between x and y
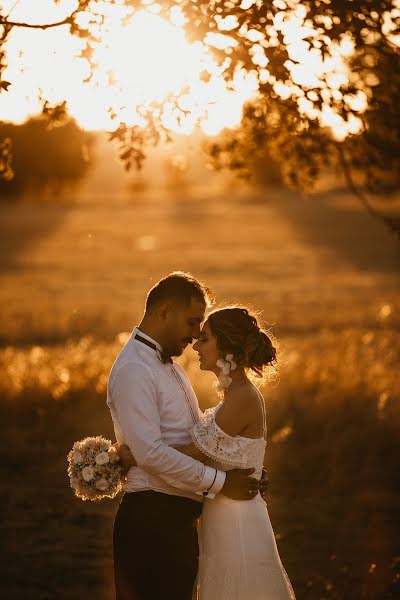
155, 546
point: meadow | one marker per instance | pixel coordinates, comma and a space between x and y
326, 278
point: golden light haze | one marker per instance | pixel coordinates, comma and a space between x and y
141, 59
144, 61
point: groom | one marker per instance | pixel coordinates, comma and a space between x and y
154, 407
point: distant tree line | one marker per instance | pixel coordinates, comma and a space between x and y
45, 158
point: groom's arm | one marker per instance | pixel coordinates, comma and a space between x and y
134, 398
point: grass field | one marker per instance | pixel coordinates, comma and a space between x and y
73, 280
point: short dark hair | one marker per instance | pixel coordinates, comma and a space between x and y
179, 286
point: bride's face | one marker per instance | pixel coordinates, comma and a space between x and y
206, 346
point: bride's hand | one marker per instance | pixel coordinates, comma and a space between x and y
125, 456
239, 485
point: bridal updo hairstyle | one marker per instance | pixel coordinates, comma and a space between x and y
238, 332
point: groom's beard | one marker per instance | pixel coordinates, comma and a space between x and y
176, 349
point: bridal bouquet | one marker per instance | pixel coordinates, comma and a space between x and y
94, 469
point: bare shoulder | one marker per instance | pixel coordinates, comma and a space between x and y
245, 397
241, 411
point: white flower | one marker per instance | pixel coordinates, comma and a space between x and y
229, 358
102, 458
87, 473
225, 366
101, 484
77, 458
74, 483
113, 454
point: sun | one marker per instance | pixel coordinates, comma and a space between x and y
148, 58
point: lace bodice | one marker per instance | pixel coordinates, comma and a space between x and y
225, 451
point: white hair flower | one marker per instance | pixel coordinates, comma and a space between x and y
229, 358
224, 366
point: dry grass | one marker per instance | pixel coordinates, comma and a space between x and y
67, 272
333, 452
74, 278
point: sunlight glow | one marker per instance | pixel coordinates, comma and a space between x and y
141, 59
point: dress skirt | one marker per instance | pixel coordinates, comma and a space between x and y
239, 559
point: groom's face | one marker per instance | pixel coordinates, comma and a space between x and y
182, 325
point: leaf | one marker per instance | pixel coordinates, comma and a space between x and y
126, 155
4, 85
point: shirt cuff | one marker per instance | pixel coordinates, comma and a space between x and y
212, 483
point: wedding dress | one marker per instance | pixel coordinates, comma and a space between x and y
239, 559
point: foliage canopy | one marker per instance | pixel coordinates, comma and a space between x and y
283, 120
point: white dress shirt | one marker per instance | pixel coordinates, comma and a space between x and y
153, 407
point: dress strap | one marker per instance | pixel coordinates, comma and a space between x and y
263, 412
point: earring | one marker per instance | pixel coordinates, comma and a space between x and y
226, 366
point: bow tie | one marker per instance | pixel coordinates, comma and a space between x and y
163, 356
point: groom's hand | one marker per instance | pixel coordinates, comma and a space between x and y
125, 456
239, 485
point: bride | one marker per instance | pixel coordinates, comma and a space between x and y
239, 559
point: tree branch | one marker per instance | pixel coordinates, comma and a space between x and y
13, 7
392, 224
67, 21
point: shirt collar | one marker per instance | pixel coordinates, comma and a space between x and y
147, 337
